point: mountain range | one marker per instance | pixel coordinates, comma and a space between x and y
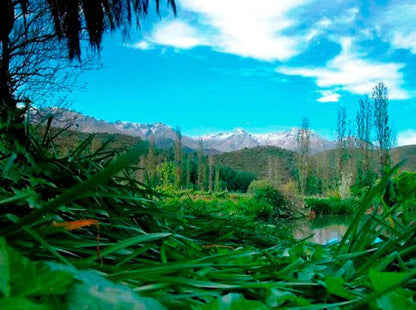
164, 135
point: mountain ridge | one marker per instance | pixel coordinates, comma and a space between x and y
164, 135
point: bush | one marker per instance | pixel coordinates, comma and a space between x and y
405, 186
264, 211
331, 205
271, 202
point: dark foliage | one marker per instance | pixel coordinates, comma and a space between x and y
235, 180
255, 160
332, 205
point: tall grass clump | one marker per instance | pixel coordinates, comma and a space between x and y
79, 231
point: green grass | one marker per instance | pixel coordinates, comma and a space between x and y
154, 253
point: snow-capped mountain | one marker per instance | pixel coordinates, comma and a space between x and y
288, 140
164, 135
229, 141
240, 139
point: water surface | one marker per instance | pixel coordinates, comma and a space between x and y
323, 229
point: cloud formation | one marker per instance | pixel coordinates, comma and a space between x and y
141, 45
328, 96
396, 24
177, 34
276, 31
254, 29
353, 72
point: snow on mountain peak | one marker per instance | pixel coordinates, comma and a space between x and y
221, 141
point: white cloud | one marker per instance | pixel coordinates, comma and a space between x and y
354, 73
329, 96
324, 22
348, 17
278, 30
406, 137
142, 45
253, 29
405, 41
396, 24
177, 34
333, 26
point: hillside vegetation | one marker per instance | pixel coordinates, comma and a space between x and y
260, 160
407, 152
68, 140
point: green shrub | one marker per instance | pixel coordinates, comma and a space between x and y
409, 205
271, 202
263, 191
331, 205
264, 211
405, 186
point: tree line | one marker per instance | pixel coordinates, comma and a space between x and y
362, 154
362, 149
174, 169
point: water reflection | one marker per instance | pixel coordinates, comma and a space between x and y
322, 229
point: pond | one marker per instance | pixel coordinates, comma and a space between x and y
323, 229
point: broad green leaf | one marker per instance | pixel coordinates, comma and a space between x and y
4, 269
9, 164
311, 272
46, 282
277, 298
397, 299
97, 293
347, 271
24, 278
383, 280
335, 286
15, 303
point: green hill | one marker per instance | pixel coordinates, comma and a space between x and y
407, 152
68, 140
263, 161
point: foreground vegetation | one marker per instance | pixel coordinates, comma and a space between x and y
81, 231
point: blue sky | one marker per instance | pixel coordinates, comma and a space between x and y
261, 65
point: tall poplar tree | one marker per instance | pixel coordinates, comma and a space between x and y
210, 172
381, 124
304, 142
342, 155
151, 162
365, 124
201, 166
188, 170
178, 158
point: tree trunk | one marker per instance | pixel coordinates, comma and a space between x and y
12, 127
7, 22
